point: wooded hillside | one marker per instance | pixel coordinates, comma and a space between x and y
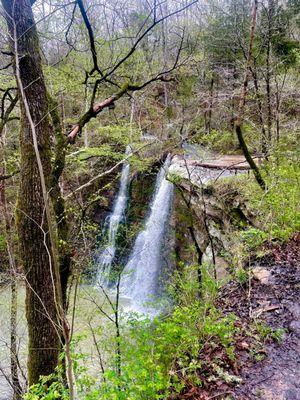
149, 197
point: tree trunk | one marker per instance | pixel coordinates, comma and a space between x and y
13, 341
36, 251
17, 389
264, 147
268, 69
208, 111
278, 95
242, 102
211, 88
233, 100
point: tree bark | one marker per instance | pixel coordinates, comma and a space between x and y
210, 107
36, 251
264, 146
270, 16
17, 389
242, 102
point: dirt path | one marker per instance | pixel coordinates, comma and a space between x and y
274, 298
277, 378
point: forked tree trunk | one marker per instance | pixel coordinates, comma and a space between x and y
36, 252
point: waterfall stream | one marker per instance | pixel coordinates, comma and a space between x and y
140, 277
106, 257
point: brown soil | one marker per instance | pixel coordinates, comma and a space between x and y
267, 361
277, 304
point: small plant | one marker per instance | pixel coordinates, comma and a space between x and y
266, 332
242, 276
259, 357
278, 334
253, 237
49, 388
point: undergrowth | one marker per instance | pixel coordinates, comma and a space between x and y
158, 356
193, 342
278, 209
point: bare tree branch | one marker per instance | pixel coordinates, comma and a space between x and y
107, 172
99, 107
5, 114
7, 176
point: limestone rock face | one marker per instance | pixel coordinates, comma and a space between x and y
211, 212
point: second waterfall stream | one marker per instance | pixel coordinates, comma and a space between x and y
106, 257
140, 280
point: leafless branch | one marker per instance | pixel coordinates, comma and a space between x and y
107, 172
7, 176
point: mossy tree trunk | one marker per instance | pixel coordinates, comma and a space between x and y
58, 201
36, 252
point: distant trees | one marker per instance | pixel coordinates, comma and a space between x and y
83, 58
225, 39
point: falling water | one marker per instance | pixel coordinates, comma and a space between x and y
107, 255
140, 278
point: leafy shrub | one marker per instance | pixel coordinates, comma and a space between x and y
253, 237
156, 355
278, 209
49, 388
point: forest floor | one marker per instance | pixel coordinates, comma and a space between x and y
272, 298
267, 342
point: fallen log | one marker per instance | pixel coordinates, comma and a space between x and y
219, 166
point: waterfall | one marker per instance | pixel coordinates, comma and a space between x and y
140, 277
105, 259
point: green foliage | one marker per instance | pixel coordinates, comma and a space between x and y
253, 238
157, 355
152, 350
102, 151
54, 387
118, 134
265, 332
262, 333
278, 208
2, 242
221, 141
66, 79
219, 37
242, 276
49, 388
287, 50
186, 87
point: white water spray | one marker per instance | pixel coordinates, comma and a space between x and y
107, 255
140, 278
